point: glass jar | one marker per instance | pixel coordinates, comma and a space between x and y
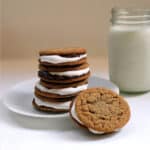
129, 49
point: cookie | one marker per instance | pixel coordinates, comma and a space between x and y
63, 85
57, 105
100, 110
45, 76
48, 99
59, 75
58, 93
64, 74
64, 68
63, 51
64, 56
44, 108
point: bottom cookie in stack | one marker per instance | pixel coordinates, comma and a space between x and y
50, 97
51, 105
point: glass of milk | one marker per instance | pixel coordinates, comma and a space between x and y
129, 49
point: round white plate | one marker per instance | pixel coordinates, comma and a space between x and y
19, 98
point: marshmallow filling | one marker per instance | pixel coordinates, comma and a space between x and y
55, 59
64, 91
56, 105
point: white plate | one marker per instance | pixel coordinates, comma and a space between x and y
19, 98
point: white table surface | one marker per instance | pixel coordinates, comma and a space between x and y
25, 133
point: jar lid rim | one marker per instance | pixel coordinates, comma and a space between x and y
128, 9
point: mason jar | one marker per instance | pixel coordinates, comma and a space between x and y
129, 49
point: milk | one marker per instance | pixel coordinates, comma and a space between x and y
129, 57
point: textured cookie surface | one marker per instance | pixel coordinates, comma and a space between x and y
63, 51
102, 110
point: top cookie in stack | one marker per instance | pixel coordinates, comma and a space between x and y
63, 74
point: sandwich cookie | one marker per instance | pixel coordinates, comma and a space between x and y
100, 110
64, 74
53, 105
59, 93
63, 85
57, 69
49, 99
60, 107
48, 77
63, 57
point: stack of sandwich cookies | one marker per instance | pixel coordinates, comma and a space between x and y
63, 74
100, 110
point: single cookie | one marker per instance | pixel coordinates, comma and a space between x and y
59, 93
100, 110
62, 85
51, 95
62, 57
64, 68
44, 75
47, 99
63, 51
48, 109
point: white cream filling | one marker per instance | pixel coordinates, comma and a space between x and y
96, 132
72, 73
74, 115
59, 105
60, 59
64, 91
